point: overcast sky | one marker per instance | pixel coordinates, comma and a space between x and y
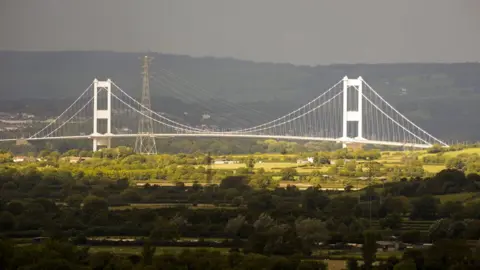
295, 31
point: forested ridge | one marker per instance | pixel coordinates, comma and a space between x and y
442, 98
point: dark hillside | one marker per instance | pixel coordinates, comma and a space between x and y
442, 98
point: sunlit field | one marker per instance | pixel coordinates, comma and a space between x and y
456, 153
267, 166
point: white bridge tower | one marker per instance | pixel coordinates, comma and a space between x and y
102, 139
352, 108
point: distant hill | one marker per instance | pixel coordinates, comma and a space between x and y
443, 98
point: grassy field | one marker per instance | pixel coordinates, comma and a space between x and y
265, 156
433, 168
272, 167
428, 168
388, 159
308, 169
456, 153
267, 166
394, 159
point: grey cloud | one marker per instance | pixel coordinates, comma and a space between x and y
295, 31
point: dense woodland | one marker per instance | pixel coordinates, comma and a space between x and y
438, 97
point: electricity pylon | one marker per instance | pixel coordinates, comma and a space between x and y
144, 143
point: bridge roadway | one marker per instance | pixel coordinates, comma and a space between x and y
226, 135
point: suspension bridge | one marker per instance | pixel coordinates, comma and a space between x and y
350, 111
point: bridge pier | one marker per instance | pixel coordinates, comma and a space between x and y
101, 141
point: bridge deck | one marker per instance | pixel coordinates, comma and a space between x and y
227, 135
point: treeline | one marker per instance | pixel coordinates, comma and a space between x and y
122, 162
60, 255
445, 254
223, 146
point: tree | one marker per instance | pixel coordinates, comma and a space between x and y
406, 265
424, 208
456, 163
312, 265
262, 181
351, 166
411, 236
342, 206
439, 229
122, 184
394, 205
311, 232
436, 148
333, 170
207, 160
237, 181
352, 264
250, 164
321, 159
15, 207
369, 249
7, 221
416, 255
148, 251
234, 225
391, 221
131, 196
107, 260
7, 250
451, 210
74, 200
447, 253
164, 230
314, 199
93, 204
288, 174
263, 222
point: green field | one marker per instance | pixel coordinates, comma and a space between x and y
390, 159
267, 166
456, 153
387, 159
433, 168
267, 156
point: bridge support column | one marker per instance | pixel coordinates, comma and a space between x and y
352, 107
102, 139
